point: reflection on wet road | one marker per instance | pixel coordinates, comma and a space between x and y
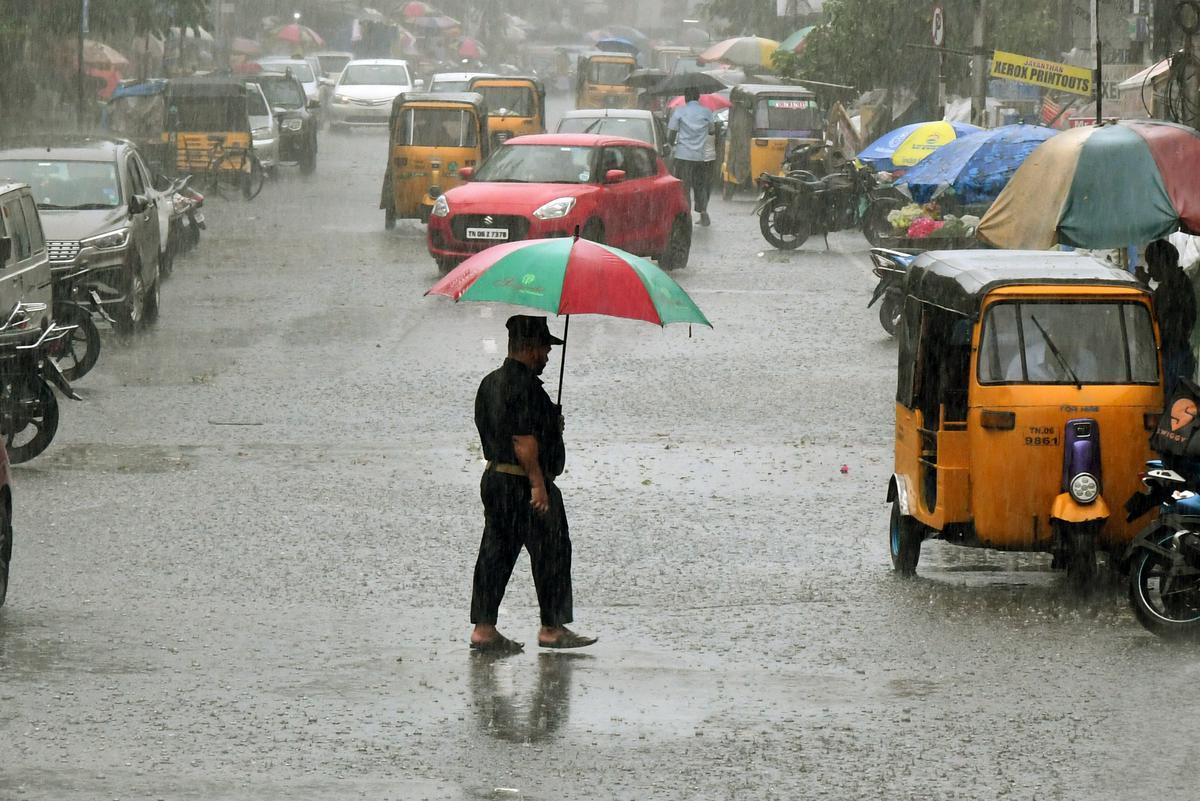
242, 571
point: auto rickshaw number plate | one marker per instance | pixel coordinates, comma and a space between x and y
487, 233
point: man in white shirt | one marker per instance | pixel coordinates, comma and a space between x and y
689, 130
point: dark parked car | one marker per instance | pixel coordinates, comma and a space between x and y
98, 207
297, 125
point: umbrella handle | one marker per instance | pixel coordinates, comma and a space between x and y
563, 364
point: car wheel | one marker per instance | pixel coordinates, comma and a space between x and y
166, 259
445, 265
6, 544
129, 317
150, 305
675, 257
593, 230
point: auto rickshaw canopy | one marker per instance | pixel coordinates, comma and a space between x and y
481, 82
207, 104
462, 101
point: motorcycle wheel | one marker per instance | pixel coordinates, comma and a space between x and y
889, 312
875, 225
1164, 602
904, 542
6, 544
77, 353
787, 237
38, 417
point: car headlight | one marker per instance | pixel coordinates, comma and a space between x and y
441, 207
110, 241
260, 133
555, 209
341, 99
293, 125
1084, 488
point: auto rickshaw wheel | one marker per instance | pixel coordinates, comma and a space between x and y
1079, 543
889, 312
904, 537
389, 218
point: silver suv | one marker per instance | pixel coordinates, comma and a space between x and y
24, 260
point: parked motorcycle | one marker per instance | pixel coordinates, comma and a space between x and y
793, 207
28, 406
187, 217
76, 304
891, 266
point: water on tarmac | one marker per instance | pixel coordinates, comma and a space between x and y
242, 570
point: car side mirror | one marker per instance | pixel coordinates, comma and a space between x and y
614, 176
5, 249
138, 204
314, 104
466, 173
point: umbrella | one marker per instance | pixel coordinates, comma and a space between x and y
247, 47
626, 32
99, 56
571, 276
1101, 186
713, 102
743, 51
795, 42
617, 44
297, 34
678, 84
418, 9
645, 78
470, 48
728, 77
440, 23
976, 166
907, 145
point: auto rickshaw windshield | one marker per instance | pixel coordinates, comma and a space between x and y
1046, 342
609, 73
786, 114
437, 127
514, 100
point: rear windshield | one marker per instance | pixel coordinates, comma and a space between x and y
75, 185
516, 101
448, 86
609, 73
332, 65
438, 127
375, 75
1057, 343
283, 92
538, 164
793, 115
639, 129
300, 70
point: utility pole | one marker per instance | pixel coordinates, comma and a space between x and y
979, 66
1098, 79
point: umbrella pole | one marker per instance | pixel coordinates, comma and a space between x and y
563, 364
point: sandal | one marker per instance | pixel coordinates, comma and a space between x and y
569, 639
498, 645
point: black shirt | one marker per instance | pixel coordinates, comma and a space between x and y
1175, 305
511, 402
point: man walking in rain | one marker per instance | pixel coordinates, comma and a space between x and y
689, 130
521, 432
1175, 307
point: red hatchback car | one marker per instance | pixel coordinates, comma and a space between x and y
610, 189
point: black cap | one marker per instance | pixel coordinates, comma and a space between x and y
527, 328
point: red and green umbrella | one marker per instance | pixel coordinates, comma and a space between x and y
1101, 186
571, 276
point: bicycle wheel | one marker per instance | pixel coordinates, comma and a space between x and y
253, 178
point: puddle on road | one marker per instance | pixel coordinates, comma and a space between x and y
115, 458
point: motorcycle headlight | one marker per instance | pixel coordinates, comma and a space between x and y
1084, 488
555, 209
113, 240
441, 207
293, 125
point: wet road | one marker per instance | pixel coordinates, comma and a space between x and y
243, 568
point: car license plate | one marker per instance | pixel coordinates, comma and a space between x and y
487, 233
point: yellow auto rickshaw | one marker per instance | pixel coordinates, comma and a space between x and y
516, 105
600, 80
209, 124
1028, 383
763, 121
432, 137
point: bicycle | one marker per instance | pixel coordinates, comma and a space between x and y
236, 168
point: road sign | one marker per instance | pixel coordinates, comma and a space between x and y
939, 26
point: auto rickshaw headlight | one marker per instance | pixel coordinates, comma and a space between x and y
1084, 488
441, 207
555, 209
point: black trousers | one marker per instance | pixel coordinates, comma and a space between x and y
509, 523
697, 181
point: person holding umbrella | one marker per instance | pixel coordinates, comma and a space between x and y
521, 433
688, 133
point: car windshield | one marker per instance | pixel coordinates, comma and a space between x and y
300, 70
375, 75
448, 86
609, 73
67, 184
332, 65
539, 164
794, 114
1059, 342
640, 129
283, 92
438, 127
513, 100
